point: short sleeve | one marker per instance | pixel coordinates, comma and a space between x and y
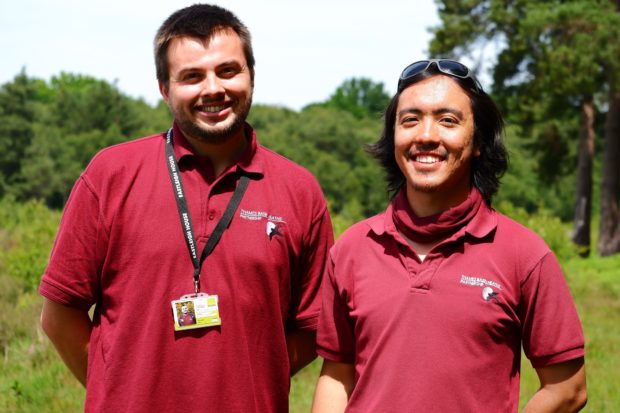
335, 335
71, 277
551, 329
306, 284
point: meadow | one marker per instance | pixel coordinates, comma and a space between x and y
33, 379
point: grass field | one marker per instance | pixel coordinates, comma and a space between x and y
33, 379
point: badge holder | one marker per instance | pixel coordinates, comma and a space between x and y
195, 311
199, 309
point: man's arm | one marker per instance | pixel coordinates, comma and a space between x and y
334, 387
562, 388
301, 347
69, 330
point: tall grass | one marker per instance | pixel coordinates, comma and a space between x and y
33, 379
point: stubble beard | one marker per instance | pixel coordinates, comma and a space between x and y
215, 135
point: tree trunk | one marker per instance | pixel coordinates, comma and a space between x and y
609, 238
583, 202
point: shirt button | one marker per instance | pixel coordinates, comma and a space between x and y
211, 216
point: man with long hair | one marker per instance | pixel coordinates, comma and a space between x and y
426, 306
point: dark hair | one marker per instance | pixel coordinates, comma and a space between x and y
486, 169
200, 21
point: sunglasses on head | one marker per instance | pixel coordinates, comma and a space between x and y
448, 67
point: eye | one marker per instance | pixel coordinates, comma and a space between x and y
409, 120
191, 77
227, 72
448, 120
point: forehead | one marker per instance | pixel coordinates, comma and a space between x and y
223, 45
438, 91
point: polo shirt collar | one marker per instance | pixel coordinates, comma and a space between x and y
251, 160
481, 225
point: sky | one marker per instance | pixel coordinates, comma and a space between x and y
304, 49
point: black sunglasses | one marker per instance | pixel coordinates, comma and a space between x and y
449, 67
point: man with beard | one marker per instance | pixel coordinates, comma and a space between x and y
426, 306
189, 215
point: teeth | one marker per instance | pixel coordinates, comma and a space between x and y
427, 159
212, 109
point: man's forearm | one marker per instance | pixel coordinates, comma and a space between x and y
545, 401
563, 389
334, 387
69, 330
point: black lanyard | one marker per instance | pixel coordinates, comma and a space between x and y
186, 221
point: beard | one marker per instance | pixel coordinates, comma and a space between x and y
215, 134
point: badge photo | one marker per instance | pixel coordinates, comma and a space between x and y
195, 311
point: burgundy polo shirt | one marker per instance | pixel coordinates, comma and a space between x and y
120, 246
445, 334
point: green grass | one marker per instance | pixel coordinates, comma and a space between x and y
34, 379
595, 285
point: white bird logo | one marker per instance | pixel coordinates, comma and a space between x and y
272, 229
488, 294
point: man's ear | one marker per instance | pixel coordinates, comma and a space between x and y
163, 90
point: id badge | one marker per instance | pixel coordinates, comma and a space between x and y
195, 311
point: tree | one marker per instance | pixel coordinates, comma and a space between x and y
17, 115
546, 75
361, 97
330, 143
49, 132
609, 238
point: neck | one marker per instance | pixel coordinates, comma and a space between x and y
221, 154
425, 204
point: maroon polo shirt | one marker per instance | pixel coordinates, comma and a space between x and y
120, 246
444, 334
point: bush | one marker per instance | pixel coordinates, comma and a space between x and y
26, 239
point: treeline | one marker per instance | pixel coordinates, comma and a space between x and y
556, 77
49, 130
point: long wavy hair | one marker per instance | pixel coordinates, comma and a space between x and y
486, 169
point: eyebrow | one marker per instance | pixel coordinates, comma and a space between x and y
439, 111
227, 63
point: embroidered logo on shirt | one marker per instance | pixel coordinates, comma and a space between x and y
275, 223
260, 215
488, 292
273, 230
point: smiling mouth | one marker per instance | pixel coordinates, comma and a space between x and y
212, 108
427, 159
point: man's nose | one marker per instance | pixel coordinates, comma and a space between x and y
428, 133
212, 85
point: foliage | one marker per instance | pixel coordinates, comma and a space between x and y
330, 143
546, 69
17, 114
50, 131
361, 97
26, 238
34, 378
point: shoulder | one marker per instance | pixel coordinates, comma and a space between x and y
283, 166
515, 240
290, 178
358, 235
131, 150
518, 233
124, 159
